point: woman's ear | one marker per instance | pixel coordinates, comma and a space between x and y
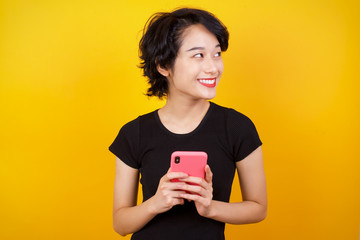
163, 71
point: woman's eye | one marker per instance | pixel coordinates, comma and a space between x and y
218, 54
198, 55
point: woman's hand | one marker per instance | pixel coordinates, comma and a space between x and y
201, 193
168, 193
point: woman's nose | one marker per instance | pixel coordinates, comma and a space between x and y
210, 66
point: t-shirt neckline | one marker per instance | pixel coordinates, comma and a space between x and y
184, 134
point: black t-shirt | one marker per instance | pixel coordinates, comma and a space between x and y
226, 135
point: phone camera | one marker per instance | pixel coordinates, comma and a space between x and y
177, 159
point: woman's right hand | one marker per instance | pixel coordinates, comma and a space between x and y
168, 193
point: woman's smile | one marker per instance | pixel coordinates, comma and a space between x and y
208, 82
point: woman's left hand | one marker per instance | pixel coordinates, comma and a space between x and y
201, 193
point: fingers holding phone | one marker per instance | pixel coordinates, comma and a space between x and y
200, 191
189, 177
198, 187
169, 192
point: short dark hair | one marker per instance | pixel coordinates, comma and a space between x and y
161, 41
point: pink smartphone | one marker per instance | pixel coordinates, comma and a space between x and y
191, 162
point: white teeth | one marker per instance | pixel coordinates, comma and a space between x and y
207, 81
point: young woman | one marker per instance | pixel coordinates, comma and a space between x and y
181, 56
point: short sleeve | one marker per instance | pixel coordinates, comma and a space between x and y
243, 135
126, 144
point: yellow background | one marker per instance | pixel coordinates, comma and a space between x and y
69, 81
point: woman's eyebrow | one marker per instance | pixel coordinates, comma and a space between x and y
195, 48
200, 48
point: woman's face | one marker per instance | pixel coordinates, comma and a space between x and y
198, 66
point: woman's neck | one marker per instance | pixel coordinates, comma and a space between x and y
183, 117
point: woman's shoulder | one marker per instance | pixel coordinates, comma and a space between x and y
230, 113
135, 123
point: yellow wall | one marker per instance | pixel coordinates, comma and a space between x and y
69, 81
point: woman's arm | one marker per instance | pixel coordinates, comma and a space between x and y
129, 217
252, 209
